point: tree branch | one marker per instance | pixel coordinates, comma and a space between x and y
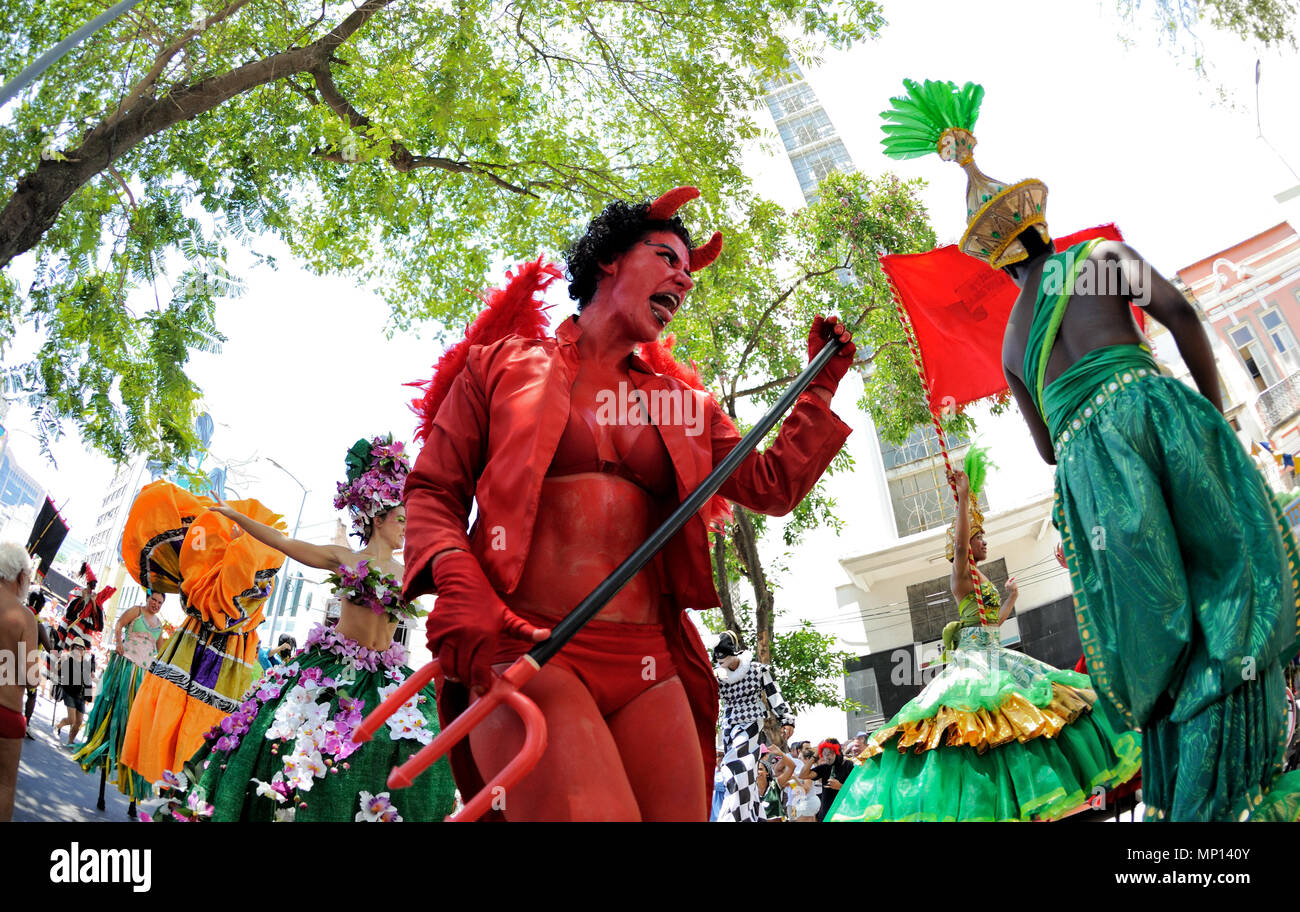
401, 158
165, 57
41, 194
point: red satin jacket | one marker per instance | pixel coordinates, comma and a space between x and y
492, 442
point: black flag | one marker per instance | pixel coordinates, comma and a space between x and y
47, 535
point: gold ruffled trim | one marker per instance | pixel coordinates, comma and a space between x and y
1016, 719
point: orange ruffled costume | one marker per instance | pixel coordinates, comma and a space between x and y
173, 543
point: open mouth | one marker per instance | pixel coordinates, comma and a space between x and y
664, 305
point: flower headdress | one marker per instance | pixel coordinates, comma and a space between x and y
376, 472
938, 117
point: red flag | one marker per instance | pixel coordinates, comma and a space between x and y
959, 308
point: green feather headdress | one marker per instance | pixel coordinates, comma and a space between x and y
976, 467
931, 115
938, 117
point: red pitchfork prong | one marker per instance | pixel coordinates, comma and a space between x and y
505, 689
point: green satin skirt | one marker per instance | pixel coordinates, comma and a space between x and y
1185, 582
997, 735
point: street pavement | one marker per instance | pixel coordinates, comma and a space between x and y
52, 787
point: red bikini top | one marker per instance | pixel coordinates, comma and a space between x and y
587, 447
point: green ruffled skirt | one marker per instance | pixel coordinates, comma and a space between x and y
106, 728
997, 735
1185, 582
287, 753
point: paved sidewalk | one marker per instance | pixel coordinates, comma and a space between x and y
52, 787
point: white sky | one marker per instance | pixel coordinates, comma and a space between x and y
1124, 134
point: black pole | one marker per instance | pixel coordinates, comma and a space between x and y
590, 606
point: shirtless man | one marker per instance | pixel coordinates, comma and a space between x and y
18, 665
1179, 560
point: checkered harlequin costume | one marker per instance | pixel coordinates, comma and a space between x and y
743, 710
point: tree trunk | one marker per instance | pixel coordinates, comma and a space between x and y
724, 588
41, 194
747, 549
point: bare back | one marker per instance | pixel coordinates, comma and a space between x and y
17, 626
1098, 315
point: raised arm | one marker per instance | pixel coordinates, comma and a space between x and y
1157, 295
776, 480
784, 768
322, 557
961, 581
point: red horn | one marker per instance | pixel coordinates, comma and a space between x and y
664, 208
703, 256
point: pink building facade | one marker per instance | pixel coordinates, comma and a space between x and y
1249, 296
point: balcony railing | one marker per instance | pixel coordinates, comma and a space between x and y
1280, 402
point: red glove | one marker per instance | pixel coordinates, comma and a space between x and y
823, 329
468, 619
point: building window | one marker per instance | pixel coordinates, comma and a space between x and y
813, 166
792, 101
805, 129
918, 483
1257, 364
1281, 338
861, 686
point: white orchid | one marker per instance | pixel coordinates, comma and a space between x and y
268, 790
377, 809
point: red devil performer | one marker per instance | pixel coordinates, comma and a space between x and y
574, 448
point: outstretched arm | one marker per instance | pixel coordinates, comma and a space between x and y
322, 557
772, 691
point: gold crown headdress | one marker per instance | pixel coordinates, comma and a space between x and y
976, 467
938, 117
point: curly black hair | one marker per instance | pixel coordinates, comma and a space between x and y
608, 236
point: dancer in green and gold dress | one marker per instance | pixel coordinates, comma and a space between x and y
997, 735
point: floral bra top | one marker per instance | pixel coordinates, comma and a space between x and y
372, 588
